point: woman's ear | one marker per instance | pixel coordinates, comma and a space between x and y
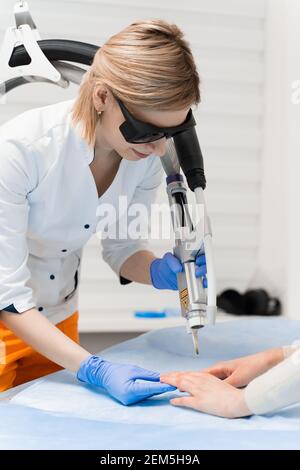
100, 97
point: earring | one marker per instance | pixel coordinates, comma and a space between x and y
99, 113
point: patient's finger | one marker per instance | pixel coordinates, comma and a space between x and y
188, 384
171, 376
171, 372
181, 381
220, 372
193, 375
171, 379
186, 371
236, 380
175, 377
176, 373
188, 402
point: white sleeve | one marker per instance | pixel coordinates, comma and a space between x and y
17, 172
289, 350
117, 250
277, 388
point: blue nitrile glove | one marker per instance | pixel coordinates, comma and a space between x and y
163, 271
127, 383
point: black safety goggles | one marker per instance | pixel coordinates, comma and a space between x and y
139, 132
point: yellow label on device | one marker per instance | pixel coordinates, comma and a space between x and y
184, 298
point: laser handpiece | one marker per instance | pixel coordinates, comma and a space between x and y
198, 303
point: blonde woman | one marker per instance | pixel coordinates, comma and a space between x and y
58, 164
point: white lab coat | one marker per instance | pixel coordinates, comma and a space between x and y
48, 203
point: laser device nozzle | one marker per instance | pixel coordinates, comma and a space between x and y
195, 340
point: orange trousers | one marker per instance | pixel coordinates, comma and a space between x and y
19, 363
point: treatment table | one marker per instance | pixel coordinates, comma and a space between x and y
57, 412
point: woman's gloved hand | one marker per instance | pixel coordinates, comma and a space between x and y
127, 383
163, 271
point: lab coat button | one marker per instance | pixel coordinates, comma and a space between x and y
40, 309
52, 276
86, 226
64, 250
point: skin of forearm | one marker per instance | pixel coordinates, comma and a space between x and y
38, 332
137, 267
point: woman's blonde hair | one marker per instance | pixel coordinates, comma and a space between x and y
147, 64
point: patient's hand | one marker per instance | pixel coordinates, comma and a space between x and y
239, 372
207, 394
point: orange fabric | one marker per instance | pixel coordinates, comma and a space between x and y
21, 363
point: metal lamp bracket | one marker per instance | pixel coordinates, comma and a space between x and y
25, 33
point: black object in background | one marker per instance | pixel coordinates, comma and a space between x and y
252, 302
